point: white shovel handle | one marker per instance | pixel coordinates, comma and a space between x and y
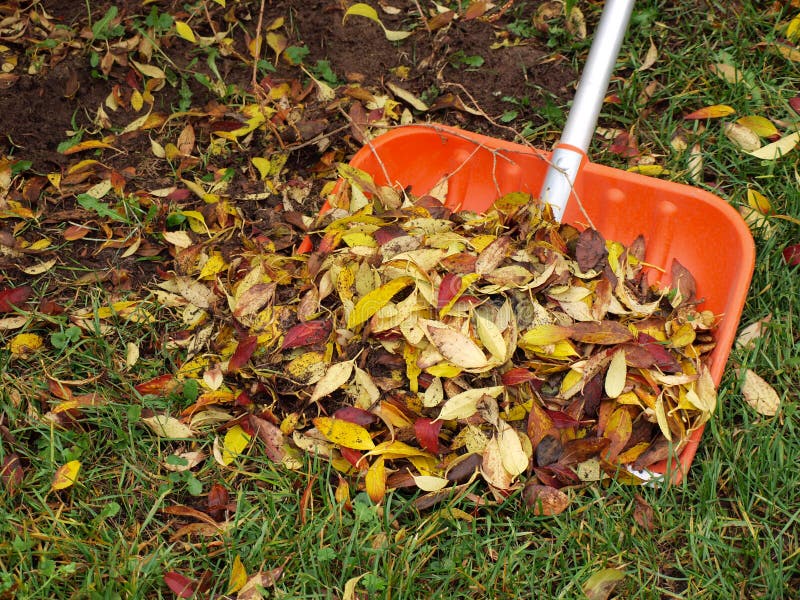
570, 152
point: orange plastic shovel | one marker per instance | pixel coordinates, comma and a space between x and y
680, 222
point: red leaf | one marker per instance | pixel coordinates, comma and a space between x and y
355, 415
14, 297
517, 376
388, 233
217, 501
427, 431
562, 420
244, 350
156, 385
624, 145
354, 457
181, 586
795, 104
791, 254
305, 334
12, 472
450, 286
661, 356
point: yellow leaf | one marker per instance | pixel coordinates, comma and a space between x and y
711, 112
215, 264
335, 377
649, 170
430, 483
262, 164
137, 101
759, 394
236, 440
512, 455
465, 404
149, 70
24, 344
371, 303
375, 480
365, 10
761, 126
344, 433
238, 576
543, 335
777, 149
793, 29
661, 419
220, 2
168, 427
491, 337
616, 375
277, 42
66, 475
197, 221
444, 369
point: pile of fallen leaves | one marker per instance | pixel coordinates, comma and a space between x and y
422, 348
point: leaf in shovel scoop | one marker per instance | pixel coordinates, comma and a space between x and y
600, 332
375, 300
590, 249
616, 375
454, 345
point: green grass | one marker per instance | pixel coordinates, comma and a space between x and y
730, 530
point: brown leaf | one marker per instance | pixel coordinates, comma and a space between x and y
643, 513
602, 332
491, 256
12, 473
590, 249
539, 424
548, 451
272, 437
684, 284
545, 500
760, 395
581, 449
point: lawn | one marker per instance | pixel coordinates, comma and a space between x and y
153, 157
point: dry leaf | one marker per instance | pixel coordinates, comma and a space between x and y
760, 395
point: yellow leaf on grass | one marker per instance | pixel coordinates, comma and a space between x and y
371, 303
168, 427
66, 475
236, 440
335, 377
430, 483
24, 344
711, 112
344, 433
777, 149
183, 30
761, 126
760, 395
375, 480
238, 576
365, 10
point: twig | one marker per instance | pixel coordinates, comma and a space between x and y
253, 79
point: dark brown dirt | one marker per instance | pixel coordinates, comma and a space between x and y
56, 91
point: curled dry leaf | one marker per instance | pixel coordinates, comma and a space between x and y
544, 500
